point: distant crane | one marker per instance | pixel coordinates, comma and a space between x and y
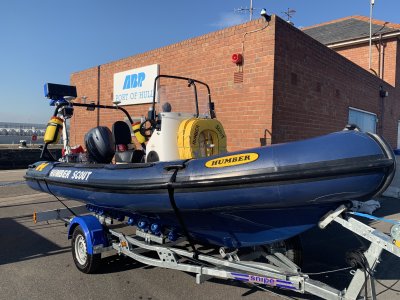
289, 15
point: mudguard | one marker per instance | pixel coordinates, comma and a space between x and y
93, 230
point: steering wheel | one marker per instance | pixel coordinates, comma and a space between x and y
147, 130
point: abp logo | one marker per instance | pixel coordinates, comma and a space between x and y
134, 80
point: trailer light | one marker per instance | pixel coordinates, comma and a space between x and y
395, 233
124, 244
34, 217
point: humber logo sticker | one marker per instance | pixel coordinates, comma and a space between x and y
41, 166
232, 160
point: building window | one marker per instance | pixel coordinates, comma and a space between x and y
365, 120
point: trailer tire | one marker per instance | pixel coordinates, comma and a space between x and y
294, 250
85, 262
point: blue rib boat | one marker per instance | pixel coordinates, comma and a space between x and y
240, 199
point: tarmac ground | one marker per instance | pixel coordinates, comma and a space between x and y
36, 261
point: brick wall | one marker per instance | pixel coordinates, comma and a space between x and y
289, 77
244, 109
315, 86
383, 58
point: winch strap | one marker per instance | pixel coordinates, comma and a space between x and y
178, 214
374, 218
70, 210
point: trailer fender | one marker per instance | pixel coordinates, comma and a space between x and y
93, 230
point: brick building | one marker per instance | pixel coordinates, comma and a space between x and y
290, 86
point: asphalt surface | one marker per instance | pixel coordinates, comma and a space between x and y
36, 261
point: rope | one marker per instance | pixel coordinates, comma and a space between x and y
327, 272
59, 199
394, 222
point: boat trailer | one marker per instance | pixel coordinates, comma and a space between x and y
280, 272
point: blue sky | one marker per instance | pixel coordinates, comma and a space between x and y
46, 40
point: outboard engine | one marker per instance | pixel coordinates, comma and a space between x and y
100, 145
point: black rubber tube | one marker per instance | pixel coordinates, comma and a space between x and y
178, 213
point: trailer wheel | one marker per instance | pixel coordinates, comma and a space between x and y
85, 262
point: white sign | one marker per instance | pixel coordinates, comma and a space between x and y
135, 86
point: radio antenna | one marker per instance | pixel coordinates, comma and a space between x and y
250, 10
289, 15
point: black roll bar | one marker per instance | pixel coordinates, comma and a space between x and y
191, 82
93, 107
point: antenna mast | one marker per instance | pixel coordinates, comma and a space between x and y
371, 7
289, 15
250, 10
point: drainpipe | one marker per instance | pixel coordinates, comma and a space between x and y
382, 95
98, 94
370, 32
253, 31
381, 56
382, 105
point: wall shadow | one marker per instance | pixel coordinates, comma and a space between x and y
20, 243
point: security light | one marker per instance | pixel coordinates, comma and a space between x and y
382, 92
264, 14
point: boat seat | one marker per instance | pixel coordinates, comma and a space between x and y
123, 143
100, 145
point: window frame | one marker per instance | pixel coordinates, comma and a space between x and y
365, 112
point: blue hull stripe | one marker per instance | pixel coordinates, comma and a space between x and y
240, 275
286, 287
284, 281
241, 279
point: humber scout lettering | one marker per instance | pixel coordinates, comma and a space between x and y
68, 174
232, 160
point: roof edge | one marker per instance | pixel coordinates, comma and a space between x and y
362, 40
357, 17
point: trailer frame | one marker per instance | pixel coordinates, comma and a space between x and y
280, 272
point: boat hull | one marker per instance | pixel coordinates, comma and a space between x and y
240, 199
